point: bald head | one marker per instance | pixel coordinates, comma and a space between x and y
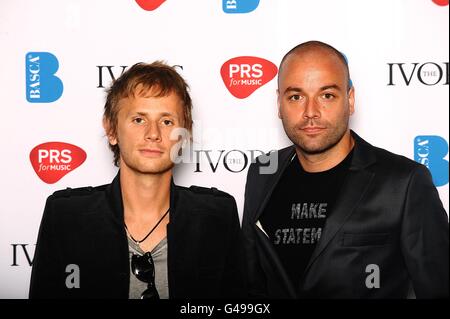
315, 49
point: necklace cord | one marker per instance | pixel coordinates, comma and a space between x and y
151, 231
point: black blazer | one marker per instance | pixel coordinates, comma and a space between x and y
85, 227
388, 214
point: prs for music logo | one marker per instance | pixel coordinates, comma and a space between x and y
150, 5
245, 74
53, 160
441, 3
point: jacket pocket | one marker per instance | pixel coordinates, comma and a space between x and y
372, 239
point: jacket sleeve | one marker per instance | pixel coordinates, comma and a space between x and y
424, 237
234, 279
255, 276
47, 272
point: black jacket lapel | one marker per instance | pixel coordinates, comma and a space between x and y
357, 183
272, 264
284, 158
114, 196
173, 244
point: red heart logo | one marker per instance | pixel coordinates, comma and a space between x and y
52, 160
441, 2
150, 5
245, 74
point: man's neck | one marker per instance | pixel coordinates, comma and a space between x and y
314, 163
145, 195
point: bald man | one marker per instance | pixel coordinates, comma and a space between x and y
339, 218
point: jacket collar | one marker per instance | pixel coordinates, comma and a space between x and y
363, 153
114, 197
363, 156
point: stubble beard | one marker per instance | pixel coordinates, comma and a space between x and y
157, 167
322, 143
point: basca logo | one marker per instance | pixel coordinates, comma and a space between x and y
239, 6
430, 151
441, 3
244, 75
150, 5
428, 73
53, 160
42, 86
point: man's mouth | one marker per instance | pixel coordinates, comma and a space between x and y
312, 129
150, 152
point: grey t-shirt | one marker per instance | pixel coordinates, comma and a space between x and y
159, 255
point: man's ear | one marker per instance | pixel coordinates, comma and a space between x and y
112, 139
351, 100
278, 103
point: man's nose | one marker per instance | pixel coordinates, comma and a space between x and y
312, 109
153, 132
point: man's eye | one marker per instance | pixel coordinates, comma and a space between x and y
328, 96
294, 97
167, 122
138, 120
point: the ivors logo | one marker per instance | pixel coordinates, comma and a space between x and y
150, 5
244, 75
52, 160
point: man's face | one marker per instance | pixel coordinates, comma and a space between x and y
314, 101
144, 125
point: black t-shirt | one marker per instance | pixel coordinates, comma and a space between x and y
295, 215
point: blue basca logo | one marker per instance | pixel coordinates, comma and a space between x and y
239, 6
430, 151
350, 82
42, 86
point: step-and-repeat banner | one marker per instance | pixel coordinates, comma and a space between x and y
58, 57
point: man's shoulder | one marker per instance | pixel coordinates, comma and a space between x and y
79, 193
195, 203
69, 202
397, 161
208, 199
392, 163
204, 192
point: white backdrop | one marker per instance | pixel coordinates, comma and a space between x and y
397, 51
